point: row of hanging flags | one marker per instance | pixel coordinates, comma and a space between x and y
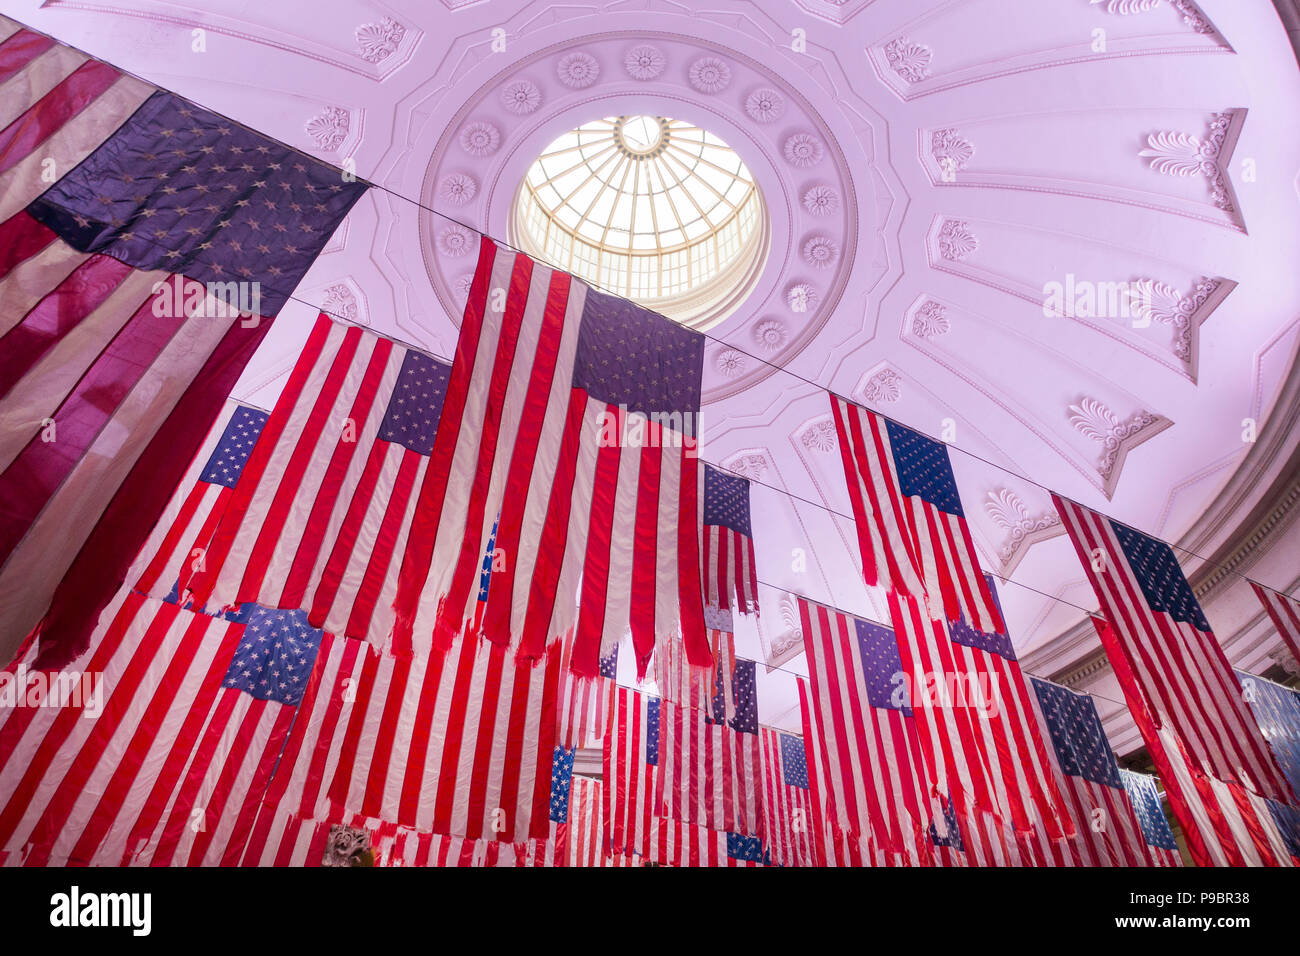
375, 625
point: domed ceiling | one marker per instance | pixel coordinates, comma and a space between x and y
1060, 234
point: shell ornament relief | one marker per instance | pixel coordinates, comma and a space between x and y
378, 41
329, 128
930, 320
819, 436
909, 60
885, 386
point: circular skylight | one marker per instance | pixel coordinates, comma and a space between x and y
655, 209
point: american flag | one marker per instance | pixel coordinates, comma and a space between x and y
788, 817
869, 778
195, 710
578, 842
706, 689
673, 843
584, 702
975, 719
123, 284
911, 528
1144, 797
709, 771
1106, 831
730, 574
585, 407
1285, 613
177, 546
325, 500
1185, 699
630, 767
1277, 711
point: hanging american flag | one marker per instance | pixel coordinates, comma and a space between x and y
584, 702
730, 574
1144, 797
1184, 697
975, 716
911, 527
135, 290
788, 816
171, 770
868, 763
325, 500
1284, 612
707, 689
1106, 831
709, 771
1277, 711
578, 841
585, 407
177, 546
630, 767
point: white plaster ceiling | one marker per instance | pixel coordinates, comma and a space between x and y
965, 153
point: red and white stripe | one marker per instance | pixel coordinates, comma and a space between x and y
584, 704
1188, 704
680, 681
1285, 614
1107, 832
988, 755
868, 759
674, 843
709, 774
579, 842
788, 816
324, 504
1136, 785
908, 546
458, 744
730, 572
178, 546
630, 805
170, 773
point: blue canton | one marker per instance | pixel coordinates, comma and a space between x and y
561, 783
882, 667
726, 501
924, 470
275, 655
609, 664
631, 357
652, 731
1144, 796
794, 764
1077, 735
416, 404
999, 643
952, 839
485, 572
1160, 577
181, 189
748, 848
226, 463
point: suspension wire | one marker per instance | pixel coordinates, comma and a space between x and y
290, 296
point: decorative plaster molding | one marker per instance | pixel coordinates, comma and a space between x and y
644, 62
819, 435
378, 41
770, 335
1094, 419
909, 60
764, 105
341, 301
1161, 302
1008, 511
1176, 153
820, 252
458, 189
710, 74
803, 150
329, 128
821, 201
730, 362
577, 70
749, 464
956, 241
950, 150
930, 320
801, 297
884, 386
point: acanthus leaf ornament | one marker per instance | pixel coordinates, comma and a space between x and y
329, 128
1094, 419
1008, 511
1184, 155
885, 386
378, 41
930, 320
956, 241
